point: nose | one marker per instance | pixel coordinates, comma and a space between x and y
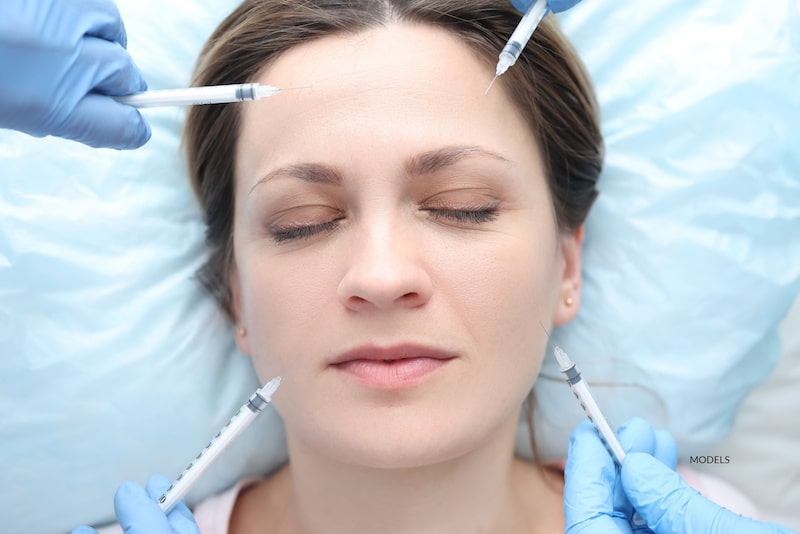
386, 271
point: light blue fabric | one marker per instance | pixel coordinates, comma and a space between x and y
692, 252
115, 365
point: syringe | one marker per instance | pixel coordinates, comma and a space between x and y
193, 96
240, 420
520, 37
581, 391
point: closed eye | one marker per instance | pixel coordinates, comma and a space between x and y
475, 216
281, 234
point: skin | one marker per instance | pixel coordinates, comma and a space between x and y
410, 139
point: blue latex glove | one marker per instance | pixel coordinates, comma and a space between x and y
556, 6
664, 500
594, 497
138, 511
59, 61
600, 500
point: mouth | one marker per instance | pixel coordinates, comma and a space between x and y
392, 354
393, 367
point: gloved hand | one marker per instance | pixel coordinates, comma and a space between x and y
594, 497
138, 512
59, 61
599, 499
664, 500
556, 6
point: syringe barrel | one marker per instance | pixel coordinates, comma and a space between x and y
203, 461
213, 94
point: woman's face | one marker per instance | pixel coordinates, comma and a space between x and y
395, 248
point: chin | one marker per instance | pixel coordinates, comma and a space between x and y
390, 456
392, 442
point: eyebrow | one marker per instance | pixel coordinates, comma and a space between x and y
314, 173
435, 160
421, 164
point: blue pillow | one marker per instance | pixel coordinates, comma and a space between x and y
116, 365
692, 252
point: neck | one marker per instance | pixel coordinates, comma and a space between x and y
481, 491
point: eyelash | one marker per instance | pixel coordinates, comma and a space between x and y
280, 235
477, 216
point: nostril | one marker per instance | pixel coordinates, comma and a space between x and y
411, 299
355, 300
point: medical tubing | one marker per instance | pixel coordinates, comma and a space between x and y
240, 420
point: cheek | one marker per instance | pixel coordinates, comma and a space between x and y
281, 301
518, 290
504, 292
509, 287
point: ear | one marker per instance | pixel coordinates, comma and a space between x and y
569, 296
240, 334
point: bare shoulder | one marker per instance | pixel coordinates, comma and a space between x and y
262, 507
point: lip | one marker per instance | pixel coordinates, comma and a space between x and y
397, 352
392, 367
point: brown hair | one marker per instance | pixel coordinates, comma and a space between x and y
549, 86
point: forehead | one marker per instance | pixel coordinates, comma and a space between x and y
401, 87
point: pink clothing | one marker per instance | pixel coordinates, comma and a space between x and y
213, 515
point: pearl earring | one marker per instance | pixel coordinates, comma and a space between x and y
569, 301
242, 331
